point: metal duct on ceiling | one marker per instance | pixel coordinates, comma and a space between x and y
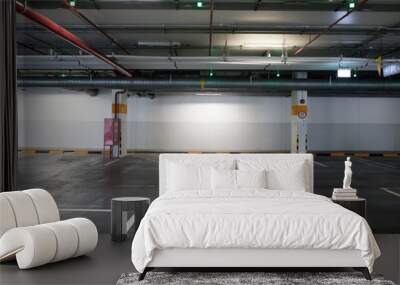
214, 84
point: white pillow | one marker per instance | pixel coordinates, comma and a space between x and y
287, 176
283, 174
223, 179
251, 178
186, 177
193, 174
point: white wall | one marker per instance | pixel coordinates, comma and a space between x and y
209, 123
62, 118
354, 124
71, 119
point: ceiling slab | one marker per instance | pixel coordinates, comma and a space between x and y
230, 5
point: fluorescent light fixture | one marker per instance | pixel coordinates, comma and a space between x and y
158, 44
264, 45
391, 69
207, 94
344, 73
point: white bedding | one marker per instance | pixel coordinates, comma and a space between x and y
250, 219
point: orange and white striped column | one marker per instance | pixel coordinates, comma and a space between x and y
299, 114
120, 110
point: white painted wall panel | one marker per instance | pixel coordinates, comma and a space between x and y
62, 118
208, 109
71, 119
354, 124
334, 110
209, 123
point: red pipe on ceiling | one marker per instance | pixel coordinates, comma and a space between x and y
68, 36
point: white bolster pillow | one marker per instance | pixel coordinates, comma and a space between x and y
32, 246
45, 206
37, 245
87, 235
22, 207
7, 218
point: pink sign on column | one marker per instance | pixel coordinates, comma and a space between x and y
108, 131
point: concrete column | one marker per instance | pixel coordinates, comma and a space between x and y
299, 114
120, 111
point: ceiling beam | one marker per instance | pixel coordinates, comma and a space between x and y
283, 5
313, 39
378, 35
68, 50
83, 17
226, 29
31, 48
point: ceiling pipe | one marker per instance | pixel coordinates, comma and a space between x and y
214, 84
67, 36
31, 48
82, 16
359, 6
210, 39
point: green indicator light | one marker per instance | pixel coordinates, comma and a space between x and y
199, 4
352, 4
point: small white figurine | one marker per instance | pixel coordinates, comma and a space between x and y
347, 174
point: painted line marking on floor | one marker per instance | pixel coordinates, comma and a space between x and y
376, 164
110, 162
137, 185
85, 210
320, 164
387, 190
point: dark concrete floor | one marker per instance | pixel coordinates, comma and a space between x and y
89, 183
84, 186
103, 266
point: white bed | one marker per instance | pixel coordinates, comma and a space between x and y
273, 226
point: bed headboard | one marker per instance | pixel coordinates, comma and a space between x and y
178, 157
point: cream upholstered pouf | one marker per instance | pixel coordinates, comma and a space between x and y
31, 230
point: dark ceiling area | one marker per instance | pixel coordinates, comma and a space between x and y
231, 38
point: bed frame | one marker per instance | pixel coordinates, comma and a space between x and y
249, 259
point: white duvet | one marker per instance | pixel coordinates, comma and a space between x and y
250, 219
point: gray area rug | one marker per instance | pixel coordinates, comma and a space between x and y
268, 278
